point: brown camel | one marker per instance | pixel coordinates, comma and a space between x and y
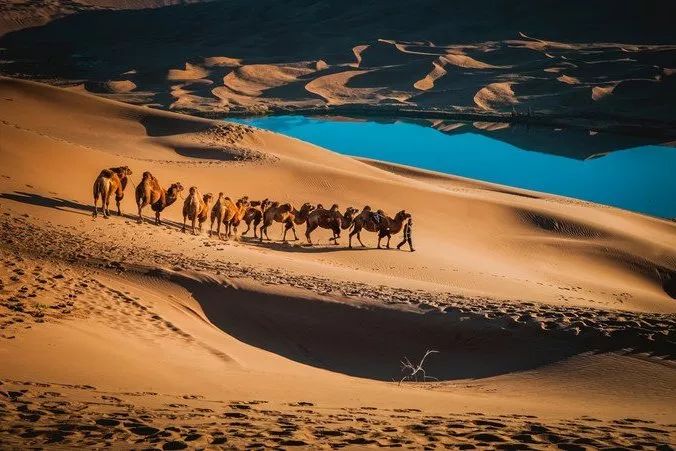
255, 214
196, 208
149, 192
109, 181
203, 215
229, 213
329, 219
286, 214
392, 226
377, 222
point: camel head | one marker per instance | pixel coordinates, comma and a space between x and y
402, 216
122, 171
147, 175
175, 189
264, 204
306, 208
242, 203
350, 212
193, 190
207, 198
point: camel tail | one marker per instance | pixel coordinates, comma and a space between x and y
99, 188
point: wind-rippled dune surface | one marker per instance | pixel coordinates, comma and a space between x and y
553, 318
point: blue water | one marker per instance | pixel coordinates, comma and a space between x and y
639, 178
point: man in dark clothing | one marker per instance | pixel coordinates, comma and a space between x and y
408, 235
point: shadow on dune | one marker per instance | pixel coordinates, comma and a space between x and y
302, 247
51, 202
370, 342
77, 207
158, 126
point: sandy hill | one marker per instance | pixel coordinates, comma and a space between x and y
553, 318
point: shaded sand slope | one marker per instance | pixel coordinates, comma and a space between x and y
522, 293
19, 14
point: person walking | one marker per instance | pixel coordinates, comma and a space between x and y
408, 235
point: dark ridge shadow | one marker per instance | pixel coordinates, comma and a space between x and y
206, 153
370, 342
157, 126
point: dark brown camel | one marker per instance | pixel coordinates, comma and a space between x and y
377, 222
329, 219
392, 226
254, 214
286, 214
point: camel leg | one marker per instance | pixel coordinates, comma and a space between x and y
388, 241
286, 229
106, 203
255, 226
139, 204
359, 238
96, 206
183, 228
309, 230
336, 235
193, 225
293, 229
117, 202
354, 232
158, 221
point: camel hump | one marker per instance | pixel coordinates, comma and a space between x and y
107, 173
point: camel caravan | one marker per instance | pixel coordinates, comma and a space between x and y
228, 214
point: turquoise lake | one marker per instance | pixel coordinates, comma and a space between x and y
611, 170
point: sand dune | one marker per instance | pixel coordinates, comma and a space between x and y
495, 95
553, 318
554, 63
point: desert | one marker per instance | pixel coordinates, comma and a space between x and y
523, 320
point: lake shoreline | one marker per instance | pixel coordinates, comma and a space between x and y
606, 123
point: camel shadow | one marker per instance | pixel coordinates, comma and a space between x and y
72, 206
301, 246
49, 202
